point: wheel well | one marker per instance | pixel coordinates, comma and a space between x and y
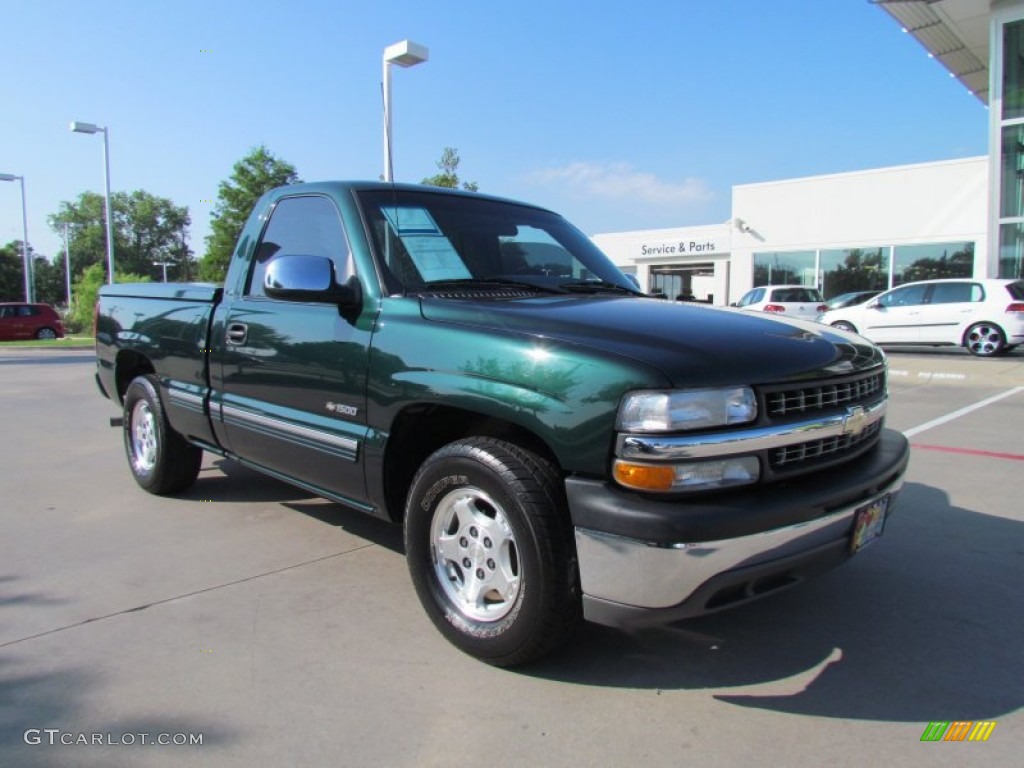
420, 430
127, 367
841, 324
975, 324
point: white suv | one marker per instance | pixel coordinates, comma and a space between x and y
985, 316
791, 300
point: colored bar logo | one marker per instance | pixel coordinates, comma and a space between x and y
958, 730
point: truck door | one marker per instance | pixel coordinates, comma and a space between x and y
294, 373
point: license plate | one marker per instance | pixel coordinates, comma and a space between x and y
868, 523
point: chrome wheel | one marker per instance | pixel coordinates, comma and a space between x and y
144, 438
475, 556
984, 340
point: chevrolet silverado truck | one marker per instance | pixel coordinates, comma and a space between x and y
556, 445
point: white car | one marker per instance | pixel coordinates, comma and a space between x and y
790, 300
985, 316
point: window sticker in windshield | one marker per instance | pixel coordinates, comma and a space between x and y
431, 252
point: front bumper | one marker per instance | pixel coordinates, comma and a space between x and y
646, 561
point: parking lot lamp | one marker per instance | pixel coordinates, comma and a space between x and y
405, 54
24, 235
80, 127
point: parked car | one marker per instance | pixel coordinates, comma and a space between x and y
792, 300
985, 316
29, 321
851, 299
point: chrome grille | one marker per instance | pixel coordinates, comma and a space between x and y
825, 449
823, 396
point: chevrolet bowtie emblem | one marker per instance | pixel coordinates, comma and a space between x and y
855, 421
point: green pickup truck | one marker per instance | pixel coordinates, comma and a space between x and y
556, 445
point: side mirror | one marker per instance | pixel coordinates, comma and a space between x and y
874, 304
309, 278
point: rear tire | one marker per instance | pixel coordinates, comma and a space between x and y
490, 551
160, 459
985, 340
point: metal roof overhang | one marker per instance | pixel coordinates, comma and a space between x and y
955, 32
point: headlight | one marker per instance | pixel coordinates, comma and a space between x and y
675, 410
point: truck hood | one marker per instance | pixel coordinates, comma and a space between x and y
691, 344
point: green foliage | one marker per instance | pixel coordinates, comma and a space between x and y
49, 285
147, 229
12, 272
256, 173
86, 291
449, 176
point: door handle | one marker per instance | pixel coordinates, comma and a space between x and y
237, 333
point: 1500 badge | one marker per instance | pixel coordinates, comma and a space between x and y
342, 410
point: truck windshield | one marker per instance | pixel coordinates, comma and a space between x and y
428, 239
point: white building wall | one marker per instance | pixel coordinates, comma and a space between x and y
919, 204
901, 205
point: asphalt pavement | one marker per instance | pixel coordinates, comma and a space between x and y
280, 629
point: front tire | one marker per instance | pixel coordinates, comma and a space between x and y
46, 333
490, 551
985, 340
160, 459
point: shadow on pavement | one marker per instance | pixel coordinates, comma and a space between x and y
925, 625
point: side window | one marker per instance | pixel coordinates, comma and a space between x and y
27, 310
8, 311
308, 226
751, 297
956, 293
907, 296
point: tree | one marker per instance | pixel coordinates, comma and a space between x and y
87, 289
256, 173
449, 176
12, 271
48, 276
147, 229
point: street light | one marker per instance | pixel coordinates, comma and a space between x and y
24, 235
79, 127
165, 265
405, 54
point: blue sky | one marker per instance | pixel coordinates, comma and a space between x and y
619, 115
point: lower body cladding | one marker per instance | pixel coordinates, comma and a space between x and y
646, 562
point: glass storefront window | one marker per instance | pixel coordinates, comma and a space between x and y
784, 268
854, 269
927, 262
1013, 70
1011, 193
1011, 251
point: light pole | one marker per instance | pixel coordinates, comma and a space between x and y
79, 127
24, 235
165, 265
67, 263
405, 54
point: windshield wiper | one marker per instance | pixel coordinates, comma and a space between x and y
597, 286
468, 282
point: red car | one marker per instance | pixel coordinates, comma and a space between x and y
29, 321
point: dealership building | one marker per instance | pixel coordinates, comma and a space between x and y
877, 228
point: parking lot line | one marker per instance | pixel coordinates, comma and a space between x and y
960, 412
968, 451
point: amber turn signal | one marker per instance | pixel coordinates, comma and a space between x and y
644, 477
